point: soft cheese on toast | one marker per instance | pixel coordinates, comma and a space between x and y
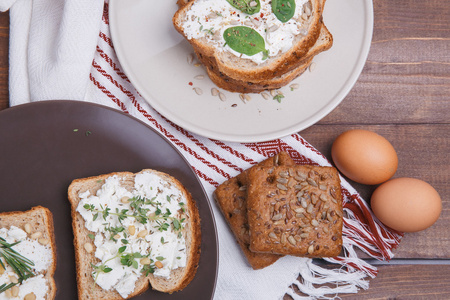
323, 43
204, 22
132, 231
31, 235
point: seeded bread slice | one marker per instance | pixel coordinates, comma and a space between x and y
295, 210
40, 221
179, 278
246, 70
231, 196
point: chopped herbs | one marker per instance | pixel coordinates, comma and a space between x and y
5, 287
148, 269
139, 213
278, 97
130, 259
161, 220
21, 265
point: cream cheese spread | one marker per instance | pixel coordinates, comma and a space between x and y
40, 255
139, 225
210, 18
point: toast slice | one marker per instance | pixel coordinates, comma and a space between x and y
323, 43
33, 229
295, 210
154, 214
231, 197
242, 68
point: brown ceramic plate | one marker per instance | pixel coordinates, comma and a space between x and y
45, 145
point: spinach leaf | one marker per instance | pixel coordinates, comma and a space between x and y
283, 9
247, 6
245, 40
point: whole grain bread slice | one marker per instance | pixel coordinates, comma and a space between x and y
179, 278
38, 219
246, 70
295, 210
231, 197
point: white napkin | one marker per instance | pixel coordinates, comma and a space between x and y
52, 48
63, 50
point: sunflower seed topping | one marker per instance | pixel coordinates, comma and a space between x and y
311, 182
265, 95
214, 92
281, 187
292, 240
222, 96
277, 217
282, 180
273, 235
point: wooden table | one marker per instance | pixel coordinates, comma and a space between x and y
403, 94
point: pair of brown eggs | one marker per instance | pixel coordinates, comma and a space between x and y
403, 204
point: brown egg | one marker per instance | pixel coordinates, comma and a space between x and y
364, 156
406, 204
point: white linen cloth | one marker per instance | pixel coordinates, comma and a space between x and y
62, 50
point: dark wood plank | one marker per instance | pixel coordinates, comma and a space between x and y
4, 50
423, 153
407, 75
411, 282
403, 94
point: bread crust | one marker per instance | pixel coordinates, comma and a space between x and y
85, 282
44, 220
272, 67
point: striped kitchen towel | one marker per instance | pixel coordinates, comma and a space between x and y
63, 50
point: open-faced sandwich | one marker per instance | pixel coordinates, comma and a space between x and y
27, 255
132, 231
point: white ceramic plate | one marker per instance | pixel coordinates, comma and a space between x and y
154, 57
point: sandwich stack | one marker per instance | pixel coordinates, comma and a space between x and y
249, 46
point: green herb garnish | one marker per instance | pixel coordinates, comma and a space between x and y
284, 10
140, 214
21, 265
5, 287
247, 6
278, 97
130, 259
181, 204
245, 40
148, 269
